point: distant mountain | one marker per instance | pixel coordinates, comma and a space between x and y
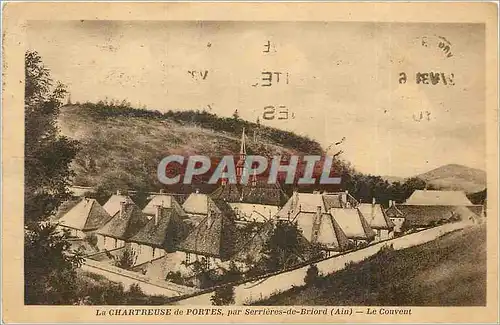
456, 177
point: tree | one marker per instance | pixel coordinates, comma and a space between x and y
47, 153
127, 259
312, 275
49, 263
283, 248
223, 295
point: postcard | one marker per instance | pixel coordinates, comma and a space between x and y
250, 162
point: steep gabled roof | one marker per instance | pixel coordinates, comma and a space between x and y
352, 222
64, 208
112, 206
196, 203
125, 224
166, 232
394, 212
309, 202
375, 216
330, 234
425, 215
214, 236
164, 200
427, 197
86, 215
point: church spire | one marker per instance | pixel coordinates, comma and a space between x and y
243, 149
240, 166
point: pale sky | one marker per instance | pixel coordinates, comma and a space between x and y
343, 80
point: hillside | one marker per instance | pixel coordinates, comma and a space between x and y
120, 147
449, 271
456, 177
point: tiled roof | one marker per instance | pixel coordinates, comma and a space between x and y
427, 197
330, 234
214, 236
393, 212
164, 200
352, 222
375, 216
86, 215
426, 215
196, 203
309, 202
125, 224
167, 232
64, 208
112, 206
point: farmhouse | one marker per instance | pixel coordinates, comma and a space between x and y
311, 213
126, 222
425, 208
83, 216
213, 239
161, 234
380, 223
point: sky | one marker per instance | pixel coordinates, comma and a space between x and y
343, 80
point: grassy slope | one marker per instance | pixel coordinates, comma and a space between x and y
456, 177
450, 271
123, 151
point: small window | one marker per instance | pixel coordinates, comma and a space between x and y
153, 252
188, 258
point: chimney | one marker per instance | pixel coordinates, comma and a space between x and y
162, 191
374, 201
118, 192
158, 213
123, 206
197, 191
390, 203
295, 199
316, 225
343, 198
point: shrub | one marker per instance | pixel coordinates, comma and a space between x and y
91, 239
312, 275
223, 295
127, 259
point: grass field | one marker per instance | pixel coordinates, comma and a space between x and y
450, 271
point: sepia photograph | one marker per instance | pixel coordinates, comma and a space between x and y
283, 168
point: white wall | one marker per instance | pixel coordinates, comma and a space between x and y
263, 288
146, 253
127, 278
108, 243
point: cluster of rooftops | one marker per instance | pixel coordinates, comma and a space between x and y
216, 224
